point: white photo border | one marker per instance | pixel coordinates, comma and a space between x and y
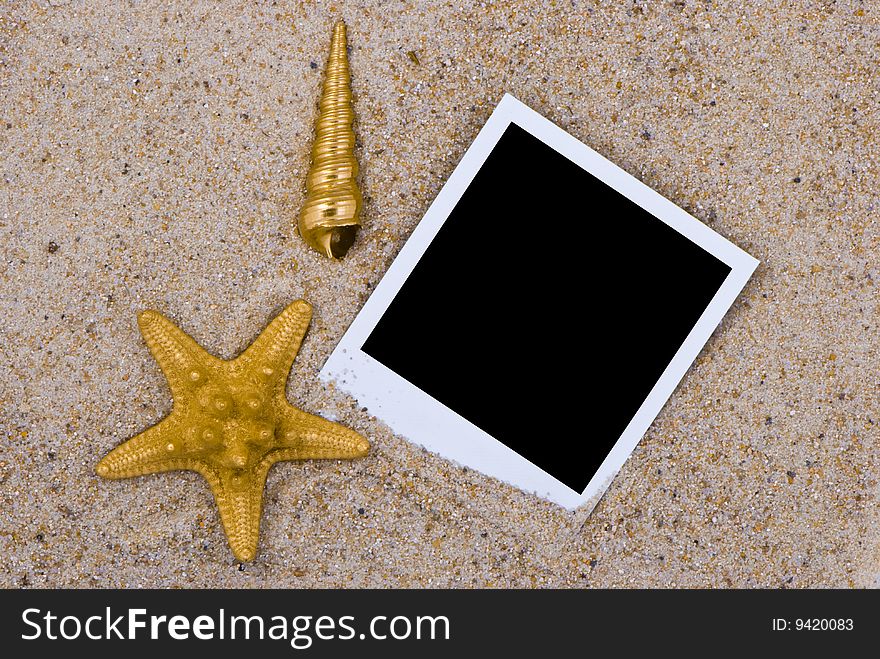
423, 420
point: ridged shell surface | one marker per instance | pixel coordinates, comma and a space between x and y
331, 214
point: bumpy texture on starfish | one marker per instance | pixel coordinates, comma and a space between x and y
231, 420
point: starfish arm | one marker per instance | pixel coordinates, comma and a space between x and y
273, 351
239, 497
157, 449
182, 360
305, 436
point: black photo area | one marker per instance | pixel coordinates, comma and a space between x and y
546, 308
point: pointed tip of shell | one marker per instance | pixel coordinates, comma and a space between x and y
339, 41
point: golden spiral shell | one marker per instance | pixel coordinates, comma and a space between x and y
331, 214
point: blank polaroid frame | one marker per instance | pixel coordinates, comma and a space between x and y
635, 264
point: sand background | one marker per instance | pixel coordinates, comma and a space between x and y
152, 155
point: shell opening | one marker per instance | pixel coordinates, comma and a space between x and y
340, 240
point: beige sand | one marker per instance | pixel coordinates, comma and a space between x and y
153, 156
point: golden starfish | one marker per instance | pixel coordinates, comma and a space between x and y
231, 421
